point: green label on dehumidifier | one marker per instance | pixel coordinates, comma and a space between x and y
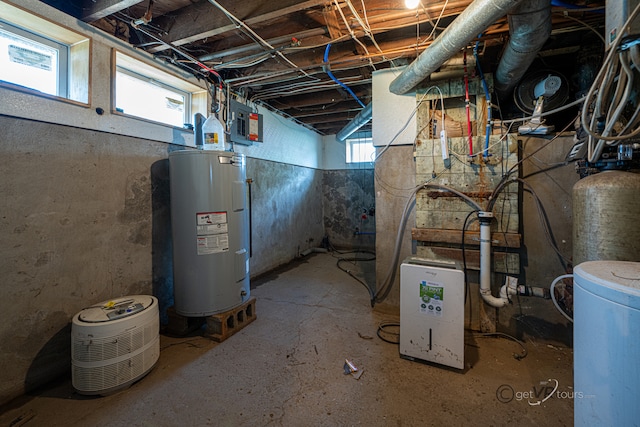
431, 298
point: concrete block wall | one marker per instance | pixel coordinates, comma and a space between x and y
527, 318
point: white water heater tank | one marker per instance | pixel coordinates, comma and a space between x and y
114, 343
606, 343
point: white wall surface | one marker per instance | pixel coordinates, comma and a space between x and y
334, 157
285, 141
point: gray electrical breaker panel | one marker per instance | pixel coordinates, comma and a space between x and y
246, 125
432, 312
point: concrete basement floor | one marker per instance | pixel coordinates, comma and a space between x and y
286, 369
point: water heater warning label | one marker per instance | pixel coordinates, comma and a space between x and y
207, 218
431, 298
212, 232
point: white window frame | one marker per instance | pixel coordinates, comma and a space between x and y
195, 96
25, 37
352, 157
76, 66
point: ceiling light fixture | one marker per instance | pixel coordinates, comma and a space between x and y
411, 4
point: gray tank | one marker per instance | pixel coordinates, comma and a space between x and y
606, 211
210, 230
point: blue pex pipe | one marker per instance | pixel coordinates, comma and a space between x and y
559, 3
487, 96
330, 74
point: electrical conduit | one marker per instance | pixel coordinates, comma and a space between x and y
180, 52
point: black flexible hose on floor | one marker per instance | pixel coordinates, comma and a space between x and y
342, 260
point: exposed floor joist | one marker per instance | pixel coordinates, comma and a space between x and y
273, 52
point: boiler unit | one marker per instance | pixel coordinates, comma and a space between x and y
114, 343
432, 312
606, 348
209, 221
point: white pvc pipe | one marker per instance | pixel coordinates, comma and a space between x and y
485, 271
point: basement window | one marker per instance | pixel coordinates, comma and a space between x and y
146, 92
33, 61
43, 58
360, 150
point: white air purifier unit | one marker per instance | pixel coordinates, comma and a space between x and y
432, 312
114, 343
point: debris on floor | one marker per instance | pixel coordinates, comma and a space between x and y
350, 368
365, 337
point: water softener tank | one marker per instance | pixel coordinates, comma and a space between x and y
606, 208
209, 224
606, 344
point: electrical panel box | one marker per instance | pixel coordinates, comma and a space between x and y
246, 125
432, 312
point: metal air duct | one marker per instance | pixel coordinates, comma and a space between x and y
361, 119
473, 21
529, 28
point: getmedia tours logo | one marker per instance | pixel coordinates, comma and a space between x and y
540, 393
